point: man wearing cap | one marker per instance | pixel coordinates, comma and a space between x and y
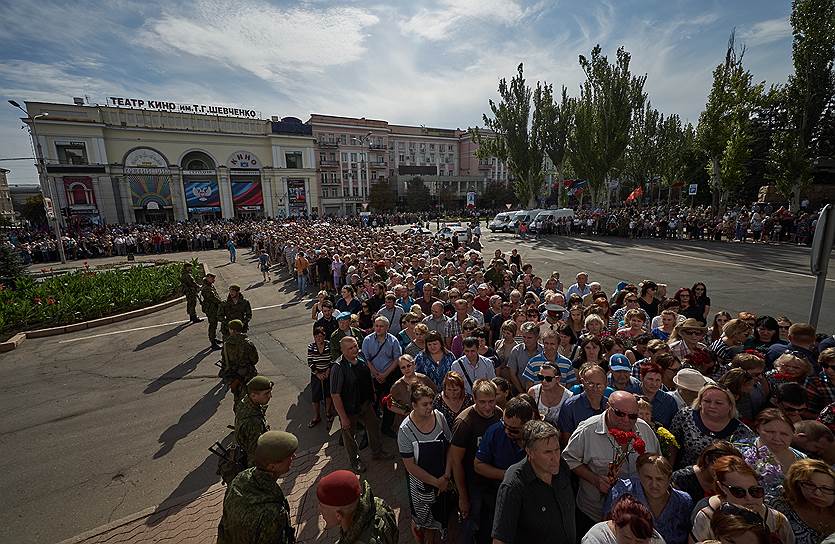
235, 307
190, 290
327, 321
590, 451
344, 328
238, 360
688, 382
251, 416
620, 375
210, 304
349, 504
254, 507
352, 392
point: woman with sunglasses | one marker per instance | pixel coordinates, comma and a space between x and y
771, 454
699, 480
549, 393
712, 417
687, 338
737, 484
701, 300
790, 367
808, 500
718, 324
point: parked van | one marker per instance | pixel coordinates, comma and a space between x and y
554, 215
526, 216
500, 222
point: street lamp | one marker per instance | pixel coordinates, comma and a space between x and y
43, 179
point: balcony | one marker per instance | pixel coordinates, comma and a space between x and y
377, 147
377, 165
328, 163
331, 145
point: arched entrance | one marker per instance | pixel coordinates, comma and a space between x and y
200, 185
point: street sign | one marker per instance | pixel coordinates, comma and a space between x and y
819, 258
508, 205
50, 209
693, 189
365, 205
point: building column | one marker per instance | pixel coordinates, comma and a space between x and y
227, 210
105, 199
267, 180
282, 208
178, 193
308, 200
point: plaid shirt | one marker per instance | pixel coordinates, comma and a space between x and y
820, 392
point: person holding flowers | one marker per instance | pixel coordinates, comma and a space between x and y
771, 454
604, 448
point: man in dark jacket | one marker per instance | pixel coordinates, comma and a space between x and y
251, 417
239, 357
211, 307
235, 307
190, 290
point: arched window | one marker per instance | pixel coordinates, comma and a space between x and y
197, 160
80, 195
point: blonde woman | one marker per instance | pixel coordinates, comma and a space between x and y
504, 345
808, 500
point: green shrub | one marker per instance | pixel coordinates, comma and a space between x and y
84, 295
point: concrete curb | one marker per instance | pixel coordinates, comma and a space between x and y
19, 338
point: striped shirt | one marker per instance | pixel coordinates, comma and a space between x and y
316, 360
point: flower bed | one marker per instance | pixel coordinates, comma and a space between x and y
84, 295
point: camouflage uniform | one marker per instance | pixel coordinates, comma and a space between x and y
255, 511
373, 521
238, 358
190, 290
211, 305
338, 335
250, 423
229, 310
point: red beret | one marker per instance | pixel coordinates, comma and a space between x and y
339, 488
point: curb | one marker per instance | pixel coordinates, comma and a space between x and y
13, 342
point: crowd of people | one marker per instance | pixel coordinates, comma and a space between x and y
524, 408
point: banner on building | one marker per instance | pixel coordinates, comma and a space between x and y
296, 196
79, 192
149, 191
471, 199
202, 195
247, 195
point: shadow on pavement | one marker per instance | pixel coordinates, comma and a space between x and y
196, 416
178, 372
196, 482
162, 337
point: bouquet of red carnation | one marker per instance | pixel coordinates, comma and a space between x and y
623, 443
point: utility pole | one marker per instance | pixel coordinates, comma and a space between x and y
45, 186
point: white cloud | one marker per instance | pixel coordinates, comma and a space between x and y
273, 43
438, 23
765, 32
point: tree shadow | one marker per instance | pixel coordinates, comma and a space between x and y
255, 285
190, 488
178, 372
162, 337
190, 421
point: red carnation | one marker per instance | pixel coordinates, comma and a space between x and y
621, 437
640, 446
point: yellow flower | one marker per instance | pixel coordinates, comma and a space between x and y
667, 437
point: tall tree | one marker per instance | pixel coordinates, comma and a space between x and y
722, 133
557, 120
676, 149
418, 196
603, 116
642, 162
517, 139
805, 95
382, 196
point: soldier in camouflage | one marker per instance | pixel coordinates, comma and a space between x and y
190, 290
251, 417
348, 503
235, 307
238, 361
255, 510
210, 305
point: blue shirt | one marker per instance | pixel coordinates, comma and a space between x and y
664, 408
567, 375
577, 409
578, 388
674, 522
406, 304
497, 449
426, 366
379, 356
633, 387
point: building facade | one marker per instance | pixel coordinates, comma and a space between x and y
108, 164
6, 206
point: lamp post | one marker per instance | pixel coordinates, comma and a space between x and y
44, 180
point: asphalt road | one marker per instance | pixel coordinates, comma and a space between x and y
99, 424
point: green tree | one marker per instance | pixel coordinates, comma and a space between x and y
33, 210
677, 147
805, 96
642, 162
557, 120
517, 138
723, 131
495, 195
11, 266
418, 196
603, 116
382, 196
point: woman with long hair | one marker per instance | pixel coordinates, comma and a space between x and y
591, 351
718, 324
808, 500
766, 334
630, 522
701, 300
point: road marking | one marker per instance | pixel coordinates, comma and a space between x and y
725, 263
283, 305
550, 250
122, 332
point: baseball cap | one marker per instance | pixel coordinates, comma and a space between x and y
619, 362
343, 315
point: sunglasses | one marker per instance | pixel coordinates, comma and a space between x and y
812, 488
621, 413
548, 379
755, 491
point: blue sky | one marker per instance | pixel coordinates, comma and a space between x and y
435, 62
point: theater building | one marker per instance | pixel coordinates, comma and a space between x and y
151, 161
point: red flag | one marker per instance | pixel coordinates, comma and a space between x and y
636, 194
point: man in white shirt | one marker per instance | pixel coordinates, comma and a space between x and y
581, 287
473, 366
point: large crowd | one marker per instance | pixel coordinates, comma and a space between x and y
528, 407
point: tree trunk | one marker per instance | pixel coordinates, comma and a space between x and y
716, 182
794, 205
